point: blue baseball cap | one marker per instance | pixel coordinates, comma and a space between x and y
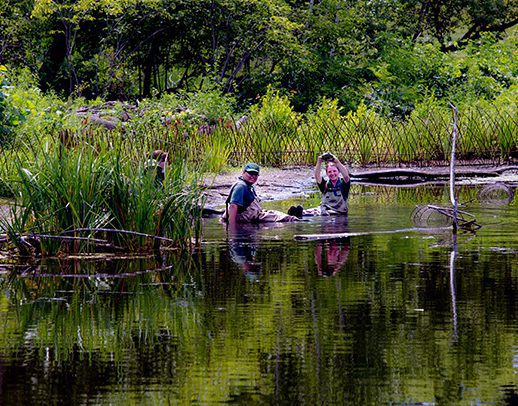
252, 168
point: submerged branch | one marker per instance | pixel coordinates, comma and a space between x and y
97, 275
116, 231
314, 237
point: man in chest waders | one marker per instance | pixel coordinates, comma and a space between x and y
243, 205
335, 189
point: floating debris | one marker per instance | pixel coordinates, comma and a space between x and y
497, 194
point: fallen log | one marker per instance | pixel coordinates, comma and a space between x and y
316, 237
429, 174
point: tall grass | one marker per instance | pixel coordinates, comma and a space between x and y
487, 132
98, 187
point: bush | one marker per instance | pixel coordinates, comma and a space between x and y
99, 181
272, 128
10, 115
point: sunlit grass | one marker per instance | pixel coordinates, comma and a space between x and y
96, 192
363, 137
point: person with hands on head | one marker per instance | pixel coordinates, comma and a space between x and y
243, 205
335, 189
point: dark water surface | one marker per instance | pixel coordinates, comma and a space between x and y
259, 318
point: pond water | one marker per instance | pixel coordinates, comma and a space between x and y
409, 317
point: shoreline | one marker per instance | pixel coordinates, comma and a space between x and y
283, 183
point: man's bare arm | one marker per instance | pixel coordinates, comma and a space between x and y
232, 215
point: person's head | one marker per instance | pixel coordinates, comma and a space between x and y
251, 172
159, 155
332, 171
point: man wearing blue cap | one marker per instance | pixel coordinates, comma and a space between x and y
242, 205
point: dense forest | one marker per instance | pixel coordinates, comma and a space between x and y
388, 54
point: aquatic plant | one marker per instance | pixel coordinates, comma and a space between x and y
486, 131
95, 192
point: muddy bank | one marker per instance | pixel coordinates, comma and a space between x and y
283, 183
272, 184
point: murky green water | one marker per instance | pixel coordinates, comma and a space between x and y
259, 318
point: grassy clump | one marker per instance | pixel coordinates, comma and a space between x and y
98, 193
276, 135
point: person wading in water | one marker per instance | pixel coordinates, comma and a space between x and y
335, 189
243, 205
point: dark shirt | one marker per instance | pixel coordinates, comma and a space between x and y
242, 194
341, 186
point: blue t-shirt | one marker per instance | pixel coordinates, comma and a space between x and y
242, 194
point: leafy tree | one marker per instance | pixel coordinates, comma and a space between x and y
388, 52
455, 23
19, 41
10, 115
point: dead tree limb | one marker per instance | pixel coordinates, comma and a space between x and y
116, 231
432, 174
453, 198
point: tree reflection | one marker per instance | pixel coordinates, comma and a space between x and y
453, 254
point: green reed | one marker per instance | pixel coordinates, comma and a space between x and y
364, 137
97, 185
106, 306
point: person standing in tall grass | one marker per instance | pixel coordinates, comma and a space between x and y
158, 163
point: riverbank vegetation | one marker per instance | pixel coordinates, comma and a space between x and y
95, 193
89, 90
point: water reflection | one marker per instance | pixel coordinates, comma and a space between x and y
242, 246
402, 319
331, 256
453, 292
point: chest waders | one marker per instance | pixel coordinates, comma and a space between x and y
333, 201
256, 214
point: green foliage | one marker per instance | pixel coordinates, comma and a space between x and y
11, 115
272, 128
93, 182
487, 131
211, 103
409, 72
44, 113
361, 135
388, 55
320, 126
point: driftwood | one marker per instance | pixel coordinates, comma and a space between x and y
116, 231
430, 174
453, 197
315, 237
31, 243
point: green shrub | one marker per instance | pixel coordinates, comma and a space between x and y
10, 114
272, 128
322, 129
